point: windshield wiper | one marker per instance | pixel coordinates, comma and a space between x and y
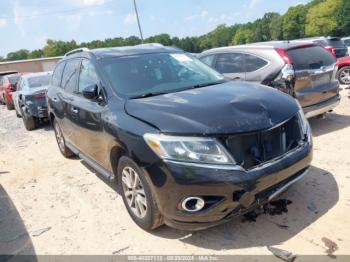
150, 94
207, 84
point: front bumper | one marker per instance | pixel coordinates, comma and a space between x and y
323, 107
235, 191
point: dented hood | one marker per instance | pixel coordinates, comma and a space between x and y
228, 108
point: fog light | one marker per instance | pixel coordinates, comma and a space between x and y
193, 204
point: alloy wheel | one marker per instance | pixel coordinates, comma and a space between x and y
134, 192
345, 76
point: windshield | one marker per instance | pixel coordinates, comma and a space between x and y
38, 81
152, 74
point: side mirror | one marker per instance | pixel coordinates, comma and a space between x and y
90, 92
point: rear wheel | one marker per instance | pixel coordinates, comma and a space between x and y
137, 195
9, 106
344, 75
66, 152
30, 122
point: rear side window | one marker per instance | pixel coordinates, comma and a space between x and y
70, 75
347, 42
57, 74
310, 58
209, 59
230, 63
253, 63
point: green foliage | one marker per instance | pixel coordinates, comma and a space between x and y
318, 17
294, 22
18, 55
323, 19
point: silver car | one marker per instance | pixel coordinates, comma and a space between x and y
303, 70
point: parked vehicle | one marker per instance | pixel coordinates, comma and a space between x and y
30, 98
347, 43
9, 86
334, 45
2, 88
187, 148
303, 70
344, 70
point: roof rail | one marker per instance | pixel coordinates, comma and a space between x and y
152, 44
78, 50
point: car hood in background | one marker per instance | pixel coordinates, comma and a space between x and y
228, 108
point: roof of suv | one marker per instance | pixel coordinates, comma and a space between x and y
124, 51
265, 45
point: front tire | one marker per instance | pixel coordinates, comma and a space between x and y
61, 142
8, 105
138, 196
344, 75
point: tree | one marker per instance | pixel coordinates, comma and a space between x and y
294, 22
58, 48
38, 53
322, 19
275, 27
344, 18
18, 55
244, 35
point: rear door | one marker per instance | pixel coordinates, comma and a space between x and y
315, 70
231, 65
67, 100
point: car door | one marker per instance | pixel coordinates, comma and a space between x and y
231, 65
15, 96
87, 116
66, 100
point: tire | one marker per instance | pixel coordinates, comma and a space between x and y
145, 213
344, 75
17, 114
61, 142
8, 105
30, 123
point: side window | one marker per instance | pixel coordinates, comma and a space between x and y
253, 63
347, 42
57, 74
87, 76
230, 63
70, 75
209, 59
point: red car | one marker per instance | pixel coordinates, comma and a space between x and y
8, 85
344, 70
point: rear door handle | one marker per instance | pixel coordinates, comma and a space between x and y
75, 110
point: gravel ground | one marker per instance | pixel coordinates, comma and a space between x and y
52, 205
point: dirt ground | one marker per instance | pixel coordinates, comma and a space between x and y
51, 205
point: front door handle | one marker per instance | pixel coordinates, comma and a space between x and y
55, 99
75, 110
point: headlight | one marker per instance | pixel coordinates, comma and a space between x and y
189, 149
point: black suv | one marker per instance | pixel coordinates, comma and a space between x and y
187, 148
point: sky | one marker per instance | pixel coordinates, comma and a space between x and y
28, 23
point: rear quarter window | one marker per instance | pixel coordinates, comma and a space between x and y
253, 63
311, 58
208, 60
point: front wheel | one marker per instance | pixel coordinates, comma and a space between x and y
61, 142
137, 195
9, 106
344, 75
